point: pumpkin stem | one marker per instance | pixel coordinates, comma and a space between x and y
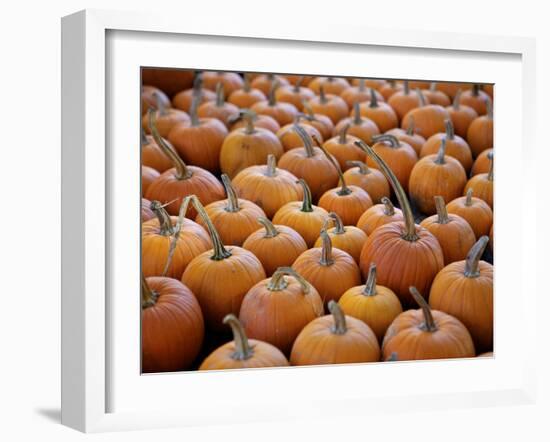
306, 139
248, 117
363, 168
220, 252
182, 172
278, 282
356, 114
406, 89
489, 107
322, 96
270, 230
392, 139
475, 90
449, 129
339, 228
344, 190
232, 199
410, 128
176, 233
243, 351
271, 98
471, 267
469, 194
195, 102
160, 104
410, 228
456, 101
148, 296
440, 158
165, 222
271, 170
197, 83
308, 109
339, 327
373, 98
343, 134
429, 323
441, 208
362, 84
389, 210
326, 250
298, 84
220, 95
421, 97
144, 139
490, 174
370, 286
246, 85
307, 205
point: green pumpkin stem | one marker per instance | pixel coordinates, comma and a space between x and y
342, 136
326, 250
440, 157
144, 139
370, 285
298, 83
248, 116
193, 111
339, 327
148, 296
392, 139
475, 90
219, 250
441, 208
307, 205
232, 199
429, 324
471, 267
176, 233
389, 210
489, 107
363, 168
433, 86
278, 282
270, 230
165, 222
243, 350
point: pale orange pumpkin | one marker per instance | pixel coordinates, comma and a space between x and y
231, 81
284, 113
331, 85
359, 93
183, 99
321, 122
246, 97
294, 94
370, 180
360, 127
342, 147
330, 105
148, 176
461, 115
146, 212
219, 108
476, 99
264, 82
152, 155
415, 140
290, 139
482, 164
378, 215
480, 132
165, 117
381, 113
429, 119
263, 121
435, 96
474, 210
404, 101
482, 184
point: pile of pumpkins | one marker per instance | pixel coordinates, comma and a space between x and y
282, 208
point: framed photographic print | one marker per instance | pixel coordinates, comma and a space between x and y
248, 215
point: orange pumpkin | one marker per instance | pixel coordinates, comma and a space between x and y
370, 180
335, 339
480, 132
276, 309
146, 212
427, 334
275, 245
476, 99
350, 239
264, 82
167, 79
359, 127
247, 147
331, 271
435, 96
405, 254
390, 88
381, 113
461, 115
429, 119
373, 83
359, 94
404, 101
342, 147
375, 305
321, 122
330, 105
408, 136
482, 164
294, 94
165, 117
183, 100
453, 232
148, 176
284, 113
290, 139
243, 352
302, 79
474, 210
246, 97
220, 277
152, 155
218, 109
303, 217
231, 81
263, 121
451, 89
464, 289
378, 215
172, 326
331, 85
436, 174
150, 97
482, 184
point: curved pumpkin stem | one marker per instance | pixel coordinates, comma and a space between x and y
469, 194
307, 205
182, 172
344, 190
243, 351
165, 222
373, 98
456, 101
232, 199
278, 283
306, 139
161, 108
326, 250
490, 174
176, 232
220, 252
440, 158
357, 120
392, 139
342, 136
270, 230
339, 228
449, 129
441, 208
271, 169
411, 126
471, 268
410, 228
370, 286
339, 327
363, 168
389, 210
148, 296
429, 323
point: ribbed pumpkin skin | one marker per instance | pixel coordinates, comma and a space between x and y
263, 121
192, 241
288, 94
291, 140
482, 164
270, 193
376, 217
383, 115
330, 281
470, 300
479, 215
482, 188
462, 118
323, 124
415, 141
220, 286
456, 147
222, 113
264, 82
344, 152
476, 102
335, 107
148, 176
401, 160
364, 131
166, 122
172, 330
317, 345
402, 264
331, 85
403, 102
355, 94
349, 207
480, 134
244, 100
373, 182
351, 241
428, 120
149, 98
278, 251
284, 113
231, 81
182, 100
277, 317
404, 337
152, 156
307, 224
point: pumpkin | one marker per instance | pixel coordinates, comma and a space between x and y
290, 139
342, 147
375, 305
408, 136
247, 147
491, 237
359, 127
172, 326
231, 81
488, 89
152, 155
480, 132
476, 99
399, 156
200, 142
243, 352
378, 215
182, 180
404, 101
311, 164
435, 96
404, 254
302, 79
247, 96
373, 83
183, 99
294, 94
350, 239
390, 88
482, 164
303, 217
464, 289
330, 270
263, 121
220, 277
146, 212
284, 113
429, 119
218, 109
455, 146
474, 210
427, 334
321, 122
331, 85
330, 105
436, 174
453, 232
422, 85
275, 245
359, 94
165, 117
461, 115
482, 184
268, 186
335, 339
451, 89
167, 79
370, 180
264, 82
168, 244
148, 176
381, 113
150, 98
276, 309
234, 218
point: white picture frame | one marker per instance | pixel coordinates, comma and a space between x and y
92, 220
